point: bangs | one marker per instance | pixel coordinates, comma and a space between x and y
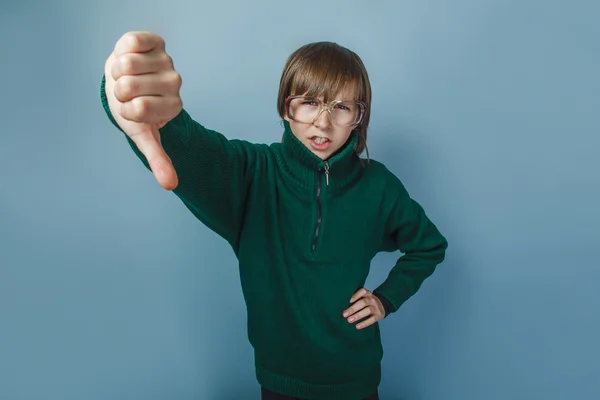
326, 72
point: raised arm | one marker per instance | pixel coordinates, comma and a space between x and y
208, 172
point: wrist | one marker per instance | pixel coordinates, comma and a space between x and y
387, 306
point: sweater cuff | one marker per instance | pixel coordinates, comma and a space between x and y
394, 293
387, 306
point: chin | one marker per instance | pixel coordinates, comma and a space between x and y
322, 154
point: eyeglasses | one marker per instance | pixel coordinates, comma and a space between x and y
306, 109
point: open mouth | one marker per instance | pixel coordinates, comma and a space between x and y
319, 143
319, 139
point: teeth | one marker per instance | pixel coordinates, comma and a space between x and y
320, 140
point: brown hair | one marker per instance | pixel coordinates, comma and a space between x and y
324, 69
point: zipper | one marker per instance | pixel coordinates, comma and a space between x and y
318, 199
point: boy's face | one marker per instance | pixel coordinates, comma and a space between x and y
322, 137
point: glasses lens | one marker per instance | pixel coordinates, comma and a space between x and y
346, 113
306, 109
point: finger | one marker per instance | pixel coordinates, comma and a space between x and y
159, 161
151, 109
365, 312
164, 84
138, 42
359, 305
359, 293
365, 323
138, 64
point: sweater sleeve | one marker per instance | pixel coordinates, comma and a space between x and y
409, 229
214, 173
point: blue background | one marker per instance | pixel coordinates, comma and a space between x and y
486, 109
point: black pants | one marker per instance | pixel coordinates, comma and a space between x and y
268, 395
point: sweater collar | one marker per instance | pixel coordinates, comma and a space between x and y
305, 168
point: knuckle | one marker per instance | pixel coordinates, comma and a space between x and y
132, 40
167, 60
124, 37
140, 108
159, 40
125, 88
174, 79
127, 64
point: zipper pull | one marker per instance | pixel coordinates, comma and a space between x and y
327, 172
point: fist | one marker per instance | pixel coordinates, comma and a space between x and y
142, 89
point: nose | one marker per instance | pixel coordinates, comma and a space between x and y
322, 121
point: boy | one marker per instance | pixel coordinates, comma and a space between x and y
304, 216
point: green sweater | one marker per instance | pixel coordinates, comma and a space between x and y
304, 239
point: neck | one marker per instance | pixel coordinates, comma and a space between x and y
305, 168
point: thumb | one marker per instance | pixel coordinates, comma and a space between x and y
148, 142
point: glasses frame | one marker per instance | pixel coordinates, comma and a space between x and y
325, 107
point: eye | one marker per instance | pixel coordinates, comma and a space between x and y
343, 107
